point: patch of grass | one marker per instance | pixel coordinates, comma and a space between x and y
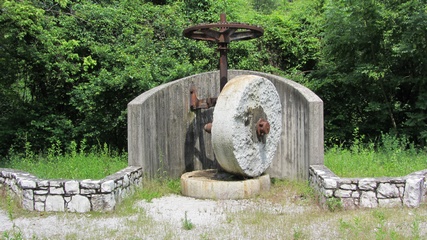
149, 189
186, 223
156, 188
282, 191
373, 224
298, 234
390, 157
11, 204
14, 234
334, 204
98, 163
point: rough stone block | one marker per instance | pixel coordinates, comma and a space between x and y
28, 204
342, 193
348, 203
108, 186
348, 186
41, 192
103, 202
397, 181
126, 180
55, 183
26, 183
28, 194
368, 200
79, 204
387, 190
390, 202
43, 183
55, 203
119, 183
367, 184
413, 192
329, 183
39, 206
355, 194
56, 190
90, 184
72, 187
40, 198
86, 191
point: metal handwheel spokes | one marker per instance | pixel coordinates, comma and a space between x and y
223, 33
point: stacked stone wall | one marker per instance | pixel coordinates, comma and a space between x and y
62, 195
409, 191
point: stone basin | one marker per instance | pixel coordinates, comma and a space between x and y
213, 184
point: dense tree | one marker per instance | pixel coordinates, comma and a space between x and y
372, 76
69, 68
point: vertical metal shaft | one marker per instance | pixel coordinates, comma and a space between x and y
223, 64
223, 67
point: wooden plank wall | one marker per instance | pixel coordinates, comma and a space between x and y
166, 138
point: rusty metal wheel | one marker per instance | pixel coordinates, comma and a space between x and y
223, 33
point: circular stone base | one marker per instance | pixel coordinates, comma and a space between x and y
210, 184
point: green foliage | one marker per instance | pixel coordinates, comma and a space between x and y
69, 68
334, 204
158, 187
72, 164
372, 70
389, 157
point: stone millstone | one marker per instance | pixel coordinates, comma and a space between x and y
209, 184
241, 103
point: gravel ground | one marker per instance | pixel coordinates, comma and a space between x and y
163, 218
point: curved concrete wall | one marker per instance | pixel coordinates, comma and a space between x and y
166, 138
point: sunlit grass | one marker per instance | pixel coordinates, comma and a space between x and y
392, 157
94, 163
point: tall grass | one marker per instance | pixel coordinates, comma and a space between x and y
74, 163
389, 157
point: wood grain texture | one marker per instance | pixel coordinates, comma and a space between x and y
166, 138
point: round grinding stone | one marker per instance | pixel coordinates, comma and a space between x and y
242, 102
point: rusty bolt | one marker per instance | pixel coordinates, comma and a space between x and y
262, 127
208, 127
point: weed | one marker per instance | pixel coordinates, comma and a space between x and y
204, 236
298, 234
415, 229
14, 234
9, 202
186, 223
334, 204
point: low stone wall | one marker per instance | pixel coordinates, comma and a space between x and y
71, 195
353, 193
